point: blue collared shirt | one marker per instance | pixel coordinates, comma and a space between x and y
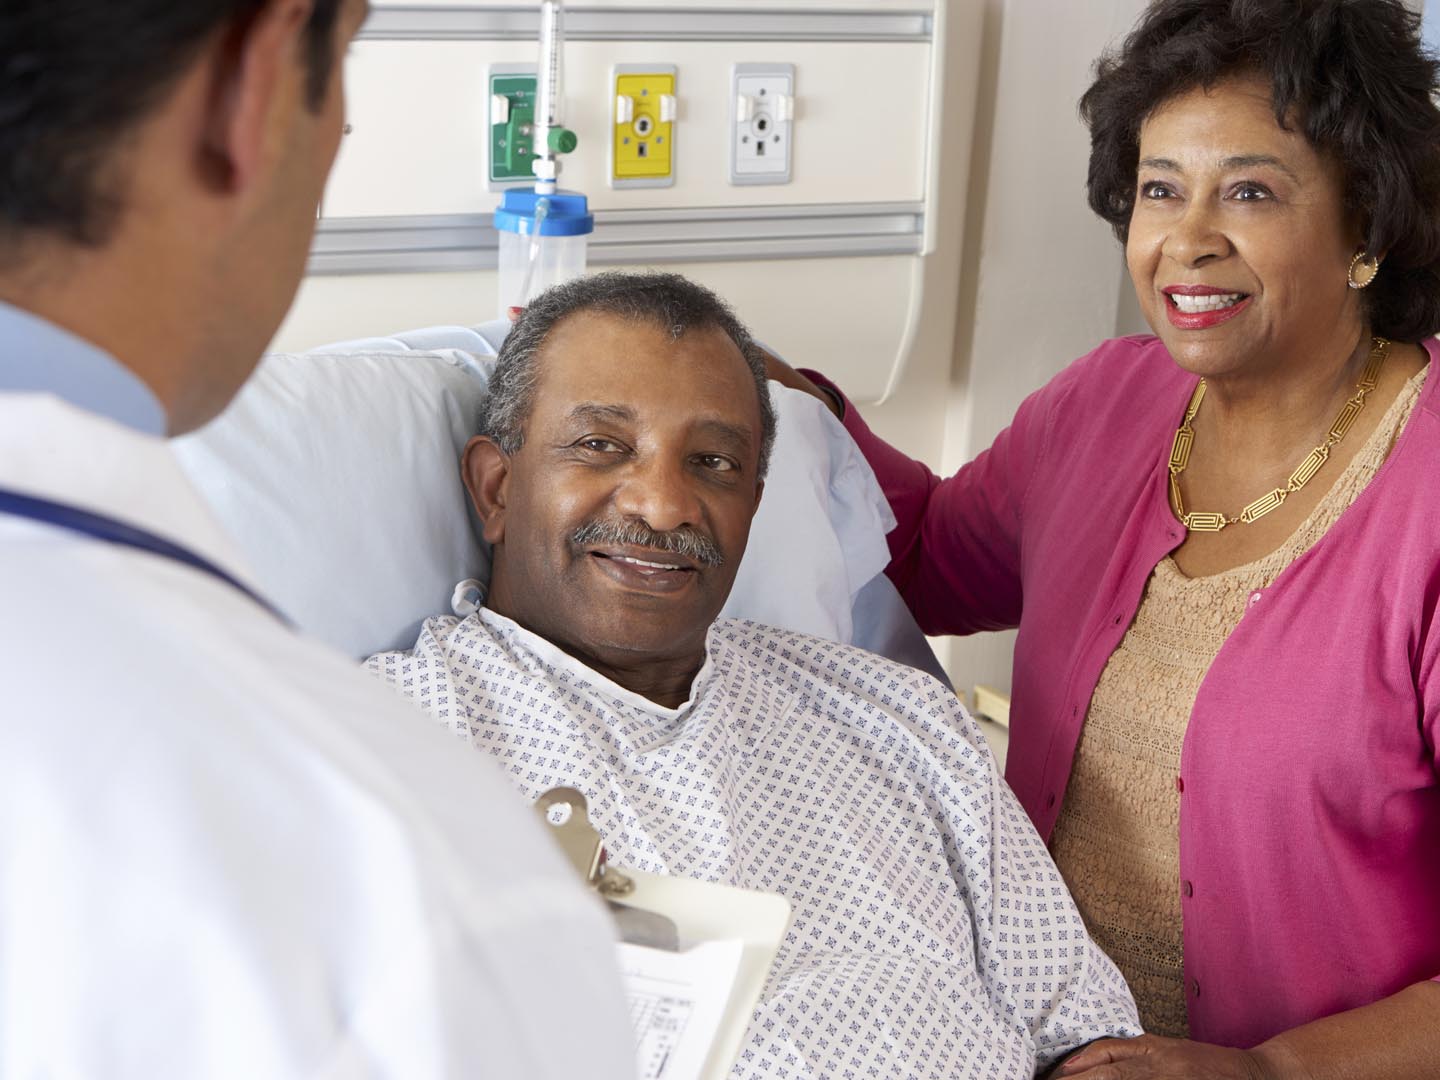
37, 356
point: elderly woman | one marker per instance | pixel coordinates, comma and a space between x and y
1221, 546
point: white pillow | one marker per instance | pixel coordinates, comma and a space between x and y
337, 476
819, 535
336, 473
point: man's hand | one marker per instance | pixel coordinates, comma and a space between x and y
1151, 1057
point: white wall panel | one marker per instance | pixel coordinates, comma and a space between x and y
418, 113
883, 127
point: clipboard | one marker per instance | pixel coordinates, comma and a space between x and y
699, 912
705, 911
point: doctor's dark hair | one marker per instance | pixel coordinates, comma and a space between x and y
76, 77
1351, 75
667, 301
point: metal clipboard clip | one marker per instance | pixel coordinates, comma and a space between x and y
564, 812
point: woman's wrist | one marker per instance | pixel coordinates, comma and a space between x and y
785, 375
836, 402
1273, 1060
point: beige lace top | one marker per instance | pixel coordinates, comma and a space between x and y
1117, 839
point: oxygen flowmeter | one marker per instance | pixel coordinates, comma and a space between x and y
543, 230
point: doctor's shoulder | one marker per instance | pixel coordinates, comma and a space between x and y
196, 804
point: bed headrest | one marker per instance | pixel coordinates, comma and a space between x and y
336, 473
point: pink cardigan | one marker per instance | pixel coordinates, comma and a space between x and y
1310, 800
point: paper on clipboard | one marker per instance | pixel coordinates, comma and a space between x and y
677, 1001
728, 941
690, 1006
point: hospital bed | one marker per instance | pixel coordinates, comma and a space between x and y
336, 474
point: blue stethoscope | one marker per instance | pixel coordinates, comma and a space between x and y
110, 531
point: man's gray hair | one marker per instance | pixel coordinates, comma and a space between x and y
668, 301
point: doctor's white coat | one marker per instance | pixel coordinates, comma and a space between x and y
225, 851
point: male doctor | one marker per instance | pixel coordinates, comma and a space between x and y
222, 852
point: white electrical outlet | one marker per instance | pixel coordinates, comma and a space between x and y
762, 121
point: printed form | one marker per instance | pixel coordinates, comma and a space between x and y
677, 1001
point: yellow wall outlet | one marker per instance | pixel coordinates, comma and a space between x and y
642, 145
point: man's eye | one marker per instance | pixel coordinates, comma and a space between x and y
599, 445
717, 463
1249, 192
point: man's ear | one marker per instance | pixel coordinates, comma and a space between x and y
759, 493
486, 470
257, 81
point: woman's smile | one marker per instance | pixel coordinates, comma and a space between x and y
1199, 307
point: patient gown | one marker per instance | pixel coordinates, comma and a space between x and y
931, 934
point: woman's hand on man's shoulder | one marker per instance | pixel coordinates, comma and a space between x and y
785, 375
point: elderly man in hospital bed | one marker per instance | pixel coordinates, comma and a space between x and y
623, 455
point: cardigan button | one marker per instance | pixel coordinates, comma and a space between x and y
1188, 889
1050, 801
1195, 987
1180, 784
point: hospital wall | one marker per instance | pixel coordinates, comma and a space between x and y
973, 134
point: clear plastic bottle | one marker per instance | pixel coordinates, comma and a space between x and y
543, 240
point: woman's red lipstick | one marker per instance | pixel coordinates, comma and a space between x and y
1207, 317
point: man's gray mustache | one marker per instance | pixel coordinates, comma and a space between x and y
685, 541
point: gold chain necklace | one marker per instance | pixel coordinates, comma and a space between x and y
1273, 500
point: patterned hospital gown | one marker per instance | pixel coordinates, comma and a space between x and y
931, 936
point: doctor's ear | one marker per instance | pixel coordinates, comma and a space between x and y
254, 74
486, 471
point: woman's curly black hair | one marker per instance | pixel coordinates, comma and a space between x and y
1352, 75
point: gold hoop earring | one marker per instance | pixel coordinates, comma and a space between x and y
1368, 265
